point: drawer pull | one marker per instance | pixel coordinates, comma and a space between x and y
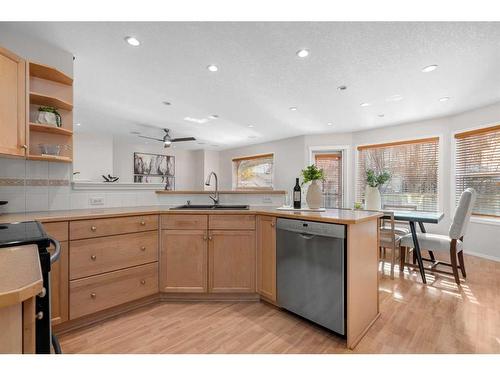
143, 222
272, 224
93, 257
143, 248
93, 295
93, 228
143, 282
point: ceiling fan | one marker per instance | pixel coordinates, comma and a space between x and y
168, 140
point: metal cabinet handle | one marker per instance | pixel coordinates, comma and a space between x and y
39, 315
204, 237
143, 282
210, 238
272, 224
143, 248
143, 222
25, 147
93, 228
43, 293
93, 257
93, 295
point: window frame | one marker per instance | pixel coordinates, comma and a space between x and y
481, 219
346, 159
234, 177
440, 172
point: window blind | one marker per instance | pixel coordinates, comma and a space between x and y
331, 163
253, 172
478, 166
413, 166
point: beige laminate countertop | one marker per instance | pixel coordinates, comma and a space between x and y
20, 274
338, 216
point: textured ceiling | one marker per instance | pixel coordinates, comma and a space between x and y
119, 87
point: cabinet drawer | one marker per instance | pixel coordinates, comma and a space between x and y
57, 230
184, 221
232, 222
100, 292
110, 226
98, 255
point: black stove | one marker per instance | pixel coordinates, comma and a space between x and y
33, 233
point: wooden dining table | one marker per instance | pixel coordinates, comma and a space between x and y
419, 217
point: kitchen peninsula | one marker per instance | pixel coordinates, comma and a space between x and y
117, 259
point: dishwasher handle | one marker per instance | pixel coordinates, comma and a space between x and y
307, 236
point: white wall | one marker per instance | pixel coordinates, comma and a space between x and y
92, 156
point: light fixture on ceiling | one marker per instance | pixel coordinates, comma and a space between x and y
330, 123
132, 41
250, 126
166, 103
302, 53
214, 117
342, 87
212, 68
429, 68
381, 115
196, 120
365, 104
444, 99
395, 98
293, 108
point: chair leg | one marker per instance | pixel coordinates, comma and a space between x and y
393, 261
453, 258
461, 262
402, 258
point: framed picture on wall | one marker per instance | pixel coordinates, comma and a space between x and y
151, 168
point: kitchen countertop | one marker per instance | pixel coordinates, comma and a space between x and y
338, 216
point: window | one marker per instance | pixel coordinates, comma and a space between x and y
253, 172
331, 163
413, 166
478, 166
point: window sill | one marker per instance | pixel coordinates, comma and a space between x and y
485, 220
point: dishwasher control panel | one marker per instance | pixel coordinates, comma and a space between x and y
312, 227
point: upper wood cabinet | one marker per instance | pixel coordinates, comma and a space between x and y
231, 261
12, 104
183, 261
266, 257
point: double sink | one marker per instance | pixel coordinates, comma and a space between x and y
211, 207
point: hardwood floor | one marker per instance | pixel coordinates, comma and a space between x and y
437, 318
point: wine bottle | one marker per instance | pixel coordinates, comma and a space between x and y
296, 194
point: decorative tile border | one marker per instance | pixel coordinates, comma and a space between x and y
32, 182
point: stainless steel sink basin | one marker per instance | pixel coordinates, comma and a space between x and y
211, 207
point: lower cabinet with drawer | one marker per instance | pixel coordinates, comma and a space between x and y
96, 293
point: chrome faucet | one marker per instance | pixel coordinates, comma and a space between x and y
215, 197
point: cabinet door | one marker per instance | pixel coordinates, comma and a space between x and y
12, 104
183, 261
231, 262
266, 257
59, 284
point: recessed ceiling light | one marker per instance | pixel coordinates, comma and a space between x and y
166, 103
395, 98
342, 88
381, 115
252, 136
429, 68
213, 68
365, 104
292, 108
250, 126
132, 41
330, 124
214, 117
444, 99
303, 53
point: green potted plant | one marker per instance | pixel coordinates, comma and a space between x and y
374, 180
314, 196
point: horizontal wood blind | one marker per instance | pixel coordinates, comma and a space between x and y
414, 169
331, 164
253, 172
478, 166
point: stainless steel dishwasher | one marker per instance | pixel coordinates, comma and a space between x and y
310, 271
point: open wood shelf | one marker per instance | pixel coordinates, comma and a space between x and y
64, 159
41, 99
49, 73
49, 129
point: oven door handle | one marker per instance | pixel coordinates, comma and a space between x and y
57, 253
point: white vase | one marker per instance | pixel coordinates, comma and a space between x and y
373, 200
314, 196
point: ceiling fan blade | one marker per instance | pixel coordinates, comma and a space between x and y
156, 139
183, 139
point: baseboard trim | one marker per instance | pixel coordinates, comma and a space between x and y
194, 297
480, 255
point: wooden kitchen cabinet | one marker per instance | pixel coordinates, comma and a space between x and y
266, 257
59, 284
12, 104
231, 261
183, 261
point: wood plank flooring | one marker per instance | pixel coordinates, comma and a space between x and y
437, 318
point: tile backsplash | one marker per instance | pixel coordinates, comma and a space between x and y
45, 186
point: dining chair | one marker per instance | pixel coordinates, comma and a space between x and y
453, 242
389, 238
401, 226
